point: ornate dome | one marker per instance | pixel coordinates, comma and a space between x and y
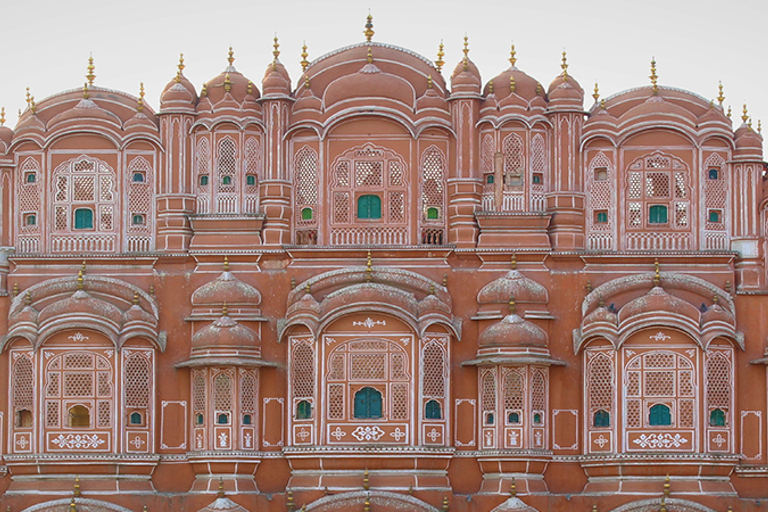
179, 93
513, 284
229, 82
658, 300
514, 82
513, 331
225, 333
565, 89
276, 80
226, 289
466, 77
81, 303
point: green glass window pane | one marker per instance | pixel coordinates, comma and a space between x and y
432, 410
660, 415
31, 177
204, 180
602, 217
601, 419
307, 214
490, 179
714, 216
433, 213
250, 179
83, 218
303, 410
369, 207
657, 214
717, 418
135, 418
714, 174
368, 403
513, 418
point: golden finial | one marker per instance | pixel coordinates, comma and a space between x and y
2, 116
27, 299
224, 309
410, 490
445, 281
366, 483
715, 299
730, 113
135, 298
231, 57
304, 508
466, 53
76, 492
728, 285
90, 76
490, 87
749, 123
369, 269
730, 508
304, 62
326, 492
145, 509
594, 508
293, 283
83, 266
152, 290
72, 505
275, 51
720, 95
289, 500
596, 94
513, 56
15, 289
588, 287
513, 261
663, 507
432, 289
85, 91
29, 97
370, 55
226, 264
227, 83
368, 32
744, 114
539, 89
512, 306
220, 494
656, 273
80, 280
445, 503
308, 288
306, 81
429, 81
564, 65
654, 77
367, 504
33, 105
513, 488
601, 303
204, 90
249, 88
666, 486
440, 54
140, 106
512, 84
181, 65
602, 104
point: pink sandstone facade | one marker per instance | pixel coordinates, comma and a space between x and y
383, 288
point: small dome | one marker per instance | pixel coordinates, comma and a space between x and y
749, 143
276, 80
658, 300
513, 284
513, 331
370, 82
226, 289
566, 90
601, 315
431, 100
178, 94
305, 98
225, 333
26, 315
431, 304
525, 87
138, 122
466, 77
81, 302
6, 135
137, 314
232, 82
717, 313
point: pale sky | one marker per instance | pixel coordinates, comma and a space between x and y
46, 43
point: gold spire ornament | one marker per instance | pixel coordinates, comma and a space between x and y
602, 104
249, 88
564, 65
440, 54
512, 306
490, 87
369, 271
759, 126
76, 492
513, 56
227, 83
512, 84
72, 505
220, 493
366, 480
730, 113
466, 53
654, 77
720, 95
368, 32
2, 116
306, 81
226, 264
181, 65
304, 62
429, 81
15, 289
32, 105
745, 114
28, 98
91, 76
666, 480
513, 261
231, 57
140, 106
80, 280
275, 52
204, 90
135, 298
85, 91
370, 56
445, 504
596, 94
656, 273
513, 488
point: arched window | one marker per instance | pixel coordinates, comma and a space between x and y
433, 411
368, 403
369, 207
659, 414
31, 177
657, 214
433, 213
222, 418
226, 180
307, 213
601, 419
79, 416
30, 219
250, 180
714, 174
137, 219
83, 218
513, 418
303, 410
136, 419
203, 180
138, 177
199, 418
717, 418
247, 419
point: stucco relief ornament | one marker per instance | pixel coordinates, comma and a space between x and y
22, 442
303, 434
369, 323
78, 337
398, 434
338, 434
660, 336
367, 433
719, 441
513, 438
223, 439
660, 441
434, 435
601, 441
137, 442
78, 441
248, 439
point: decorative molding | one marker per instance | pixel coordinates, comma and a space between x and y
163, 405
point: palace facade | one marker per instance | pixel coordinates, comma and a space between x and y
387, 287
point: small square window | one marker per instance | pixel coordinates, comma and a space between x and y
30, 219
657, 214
601, 216
30, 177
138, 219
138, 177
537, 178
226, 180
601, 174
490, 179
433, 213
715, 216
203, 180
714, 174
250, 180
83, 218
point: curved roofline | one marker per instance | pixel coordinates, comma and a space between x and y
95, 88
661, 88
371, 43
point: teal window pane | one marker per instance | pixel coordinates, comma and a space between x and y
83, 218
657, 214
31, 177
714, 216
433, 213
136, 418
368, 403
250, 179
433, 411
369, 207
660, 415
513, 418
203, 180
714, 174
602, 217
138, 176
307, 214
490, 179
303, 410
601, 419
717, 418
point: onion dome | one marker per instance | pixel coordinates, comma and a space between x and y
276, 80
229, 82
81, 303
306, 99
466, 77
225, 333
565, 90
658, 300
6, 134
179, 93
512, 86
431, 99
749, 143
226, 289
137, 314
513, 284
513, 332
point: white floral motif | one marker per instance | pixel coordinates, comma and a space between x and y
512, 438
367, 433
22, 442
78, 441
303, 434
369, 323
223, 439
660, 336
338, 433
719, 440
601, 441
137, 442
78, 336
248, 440
434, 435
397, 434
660, 441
